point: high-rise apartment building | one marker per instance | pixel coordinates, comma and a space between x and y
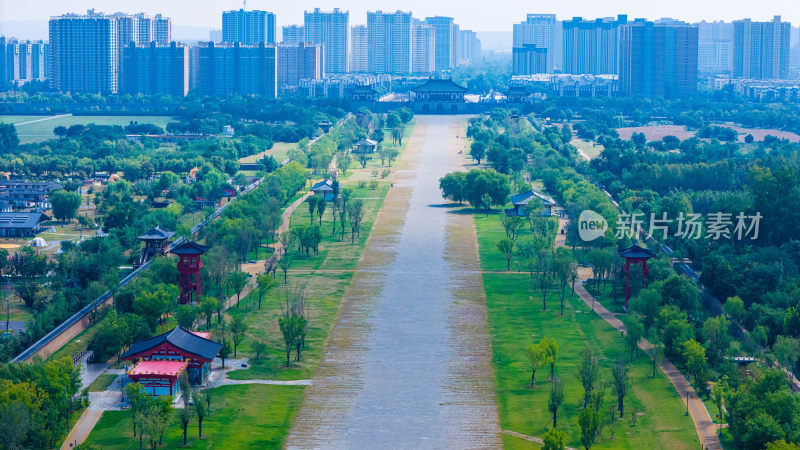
761, 49
142, 29
128, 30
590, 46
543, 31
298, 62
714, 47
657, 59
162, 30
359, 49
389, 42
446, 41
84, 52
248, 27
155, 69
22, 61
293, 34
529, 59
225, 69
469, 47
423, 48
329, 29
794, 58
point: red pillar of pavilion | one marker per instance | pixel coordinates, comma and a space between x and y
635, 254
189, 266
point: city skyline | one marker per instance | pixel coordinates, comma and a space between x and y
186, 14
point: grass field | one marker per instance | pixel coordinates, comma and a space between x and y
590, 148
279, 151
40, 128
324, 290
102, 382
490, 229
242, 417
259, 416
516, 320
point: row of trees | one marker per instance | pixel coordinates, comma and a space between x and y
594, 414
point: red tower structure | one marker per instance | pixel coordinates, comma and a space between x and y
635, 254
189, 267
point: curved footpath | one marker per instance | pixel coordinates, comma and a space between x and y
83, 427
706, 429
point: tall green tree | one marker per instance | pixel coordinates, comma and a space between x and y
506, 247
238, 330
8, 137
65, 204
619, 372
238, 281
556, 399
589, 422
588, 373
537, 356
201, 410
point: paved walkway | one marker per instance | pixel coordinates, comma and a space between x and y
90, 372
42, 120
706, 429
533, 439
99, 402
259, 266
219, 376
408, 363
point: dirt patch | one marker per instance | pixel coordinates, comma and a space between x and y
760, 133
657, 132
338, 378
471, 351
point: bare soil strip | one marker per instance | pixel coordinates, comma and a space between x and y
407, 364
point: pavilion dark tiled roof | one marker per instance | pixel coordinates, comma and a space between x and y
189, 248
157, 233
636, 251
326, 185
180, 338
524, 197
440, 85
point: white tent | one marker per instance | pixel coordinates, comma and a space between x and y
38, 242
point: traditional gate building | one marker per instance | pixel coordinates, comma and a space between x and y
160, 360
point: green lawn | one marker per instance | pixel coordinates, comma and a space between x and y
76, 345
279, 151
17, 310
335, 252
102, 382
21, 119
42, 130
491, 231
243, 417
516, 320
263, 414
590, 148
324, 292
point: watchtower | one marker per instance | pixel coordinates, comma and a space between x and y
189, 267
635, 254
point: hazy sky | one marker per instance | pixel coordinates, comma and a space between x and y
491, 15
